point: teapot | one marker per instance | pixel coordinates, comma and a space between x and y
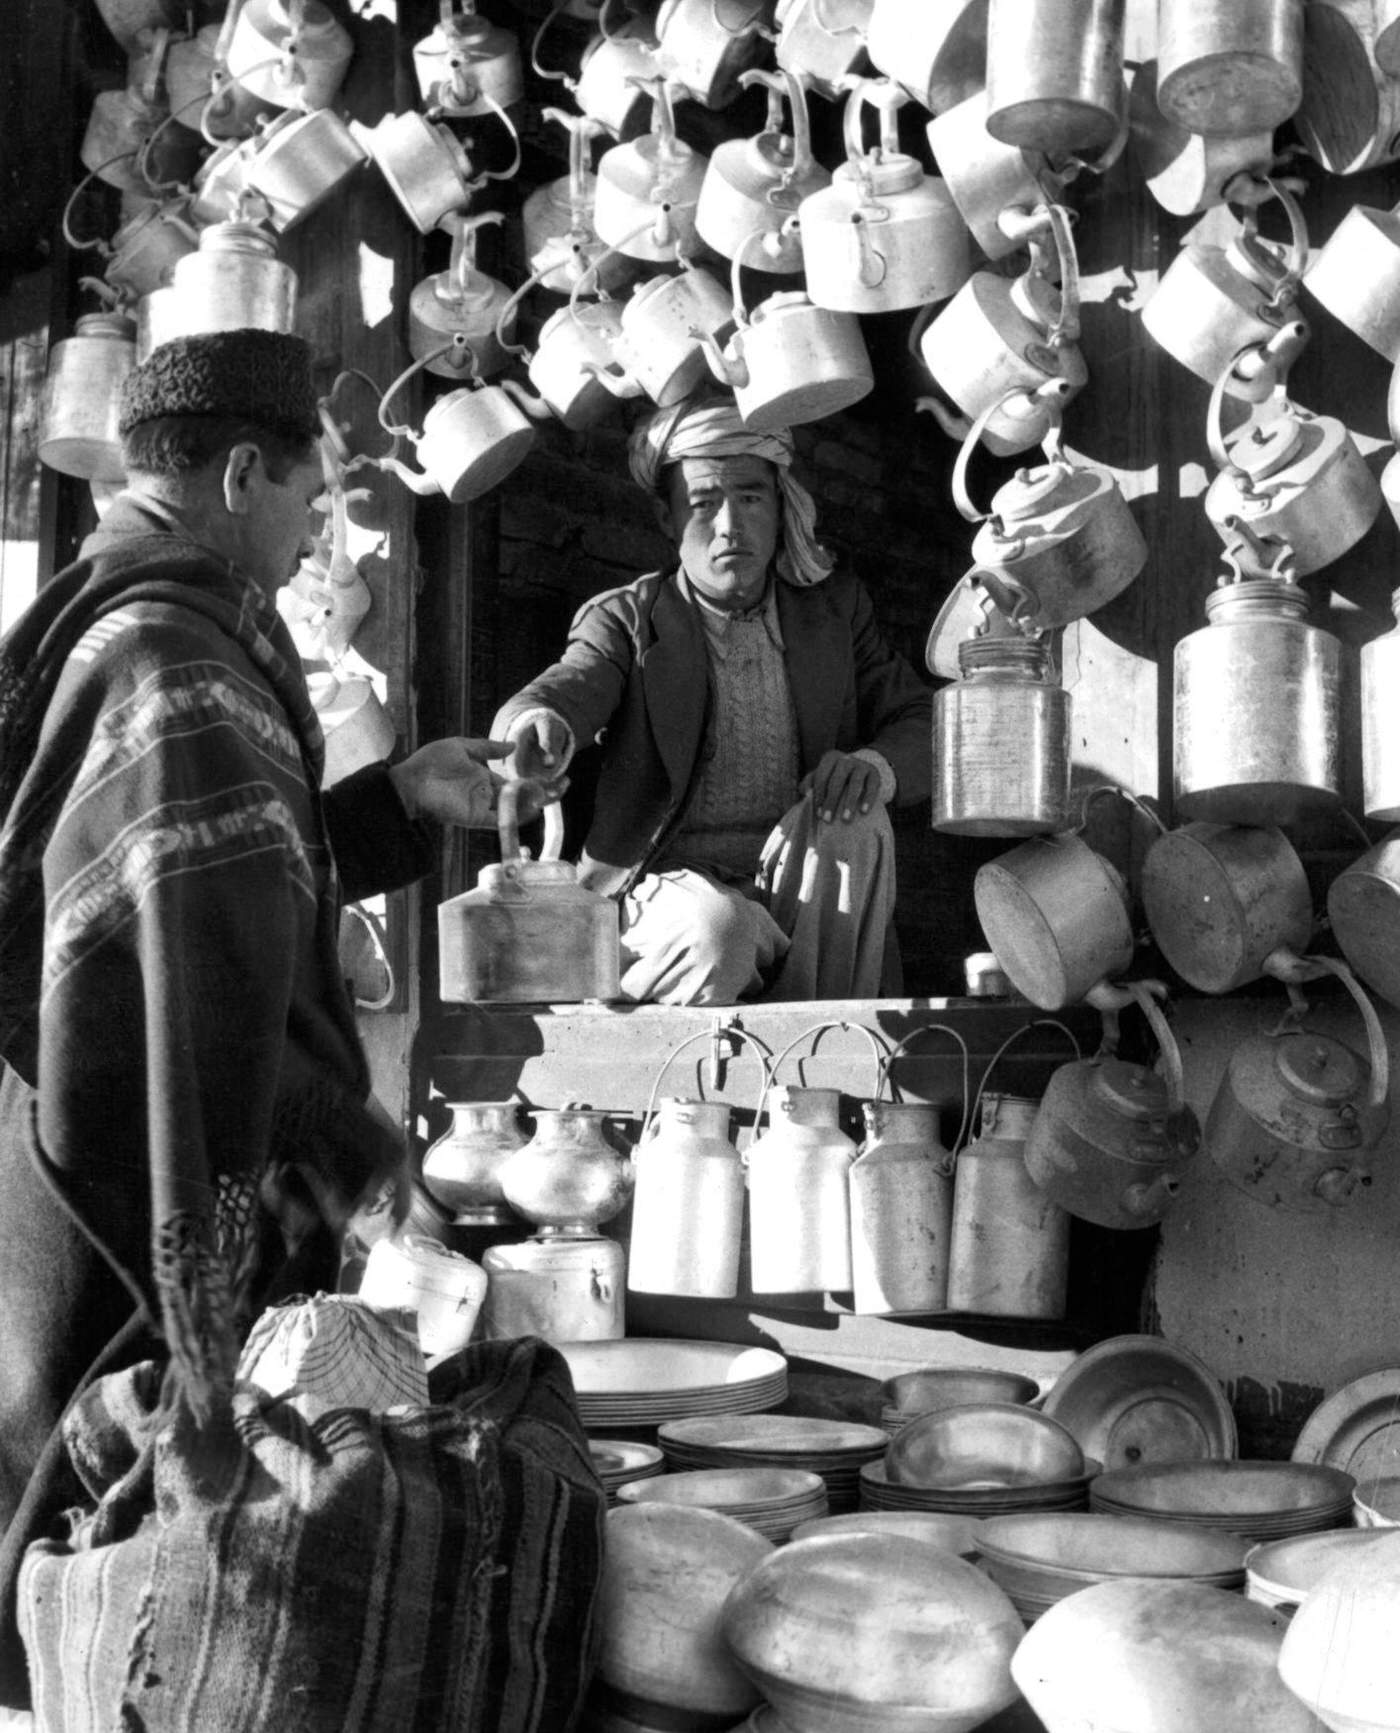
1212, 302
758, 183
613, 75
145, 248
661, 339
292, 53
576, 345
988, 178
701, 53
822, 41
649, 178
790, 361
884, 235
1055, 74
1059, 540
426, 166
997, 340
1110, 1139
467, 66
82, 396
121, 122
1188, 172
557, 218
1296, 1111
298, 161
472, 438
937, 53
462, 300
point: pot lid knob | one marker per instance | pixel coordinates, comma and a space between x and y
1032, 492
1319, 1069
1261, 451
1132, 1091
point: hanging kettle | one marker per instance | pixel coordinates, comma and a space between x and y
298, 161
1212, 302
1380, 722
688, 1202
822, 41
664, 327
938, 54
467, 66
576, 348
1297, 1111
144, 249
1232, 69
756, 184
884, 235
998, 340
988, 179
462, 300
1111, 1139
645, 180
789, 362
703, 46
82, 397
1055, 73
1188, 172
424, 162
1356, 276
613, 73
529, 933
292, 53
557, 218
1256, 698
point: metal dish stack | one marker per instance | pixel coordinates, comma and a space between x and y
619, 1461
1281, 1573
833, 1449
911, 1394
774, 1501
641, 1382
1259, 1500
1138, 1399
879, 1492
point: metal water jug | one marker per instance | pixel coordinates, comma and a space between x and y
82, 398
234, 281
563, 1288
1256, 700
568, 1178
688, 1204
1009, 1248
1380, 722
799, 1198
529, 933
462, 1168
1001, 742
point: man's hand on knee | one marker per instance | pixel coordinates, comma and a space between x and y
842, 785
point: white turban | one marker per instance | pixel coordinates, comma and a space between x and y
711, 427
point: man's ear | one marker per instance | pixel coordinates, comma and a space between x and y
240, 472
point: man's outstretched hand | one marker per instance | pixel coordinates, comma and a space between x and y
455, 782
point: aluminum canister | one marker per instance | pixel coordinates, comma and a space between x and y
1380, 723
1009, 1251
1256, 699
901, 1210
562, 1287
235, 281
688, 1204
799, 1198
82, 398
1001, 742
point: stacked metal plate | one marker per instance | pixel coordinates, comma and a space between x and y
949, 1533
834, 1449
643, 1381
1258, 1500
619, 1461
1039, 1559
1280, 1573
879, 1492
772, 1500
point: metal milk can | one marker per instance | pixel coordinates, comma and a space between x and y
1009, 1243
1380, 722
529, 933
82, 398
1256, 703
233, 281
1111, 1139
568, 1178
799, 1198
902, 1201
565, 1289
1297, 1111
688, 1207
462, 1169
1001, 742
461, 299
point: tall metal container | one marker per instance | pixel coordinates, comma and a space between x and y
688, 1204
1009, 1253
901, 1210
799, 1199
1380, 722
82, 398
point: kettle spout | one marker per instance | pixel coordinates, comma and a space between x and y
727, 363
1149, 1200
411, 478
535, 407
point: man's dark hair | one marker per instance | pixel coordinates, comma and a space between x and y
181, 445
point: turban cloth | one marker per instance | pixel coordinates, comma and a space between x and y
712, 428
262, 377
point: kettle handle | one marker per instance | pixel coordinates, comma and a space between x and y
1015, 1035
1029, 227
711, 1034
881, 93
508, 825
1265, 366
1252, 191
786, 84
1142, 994
902, 1044
1375, 1035
1052, 394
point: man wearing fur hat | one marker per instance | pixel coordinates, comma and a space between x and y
754, 727
174, 1025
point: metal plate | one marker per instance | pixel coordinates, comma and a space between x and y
1139, 1399
1357, 1429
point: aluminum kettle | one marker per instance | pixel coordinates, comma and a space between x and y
648, 188
462, 300
822, 41
756, 184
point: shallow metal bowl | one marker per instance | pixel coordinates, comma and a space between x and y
982, 1445
952, 1533
933, 1387
1135, 1399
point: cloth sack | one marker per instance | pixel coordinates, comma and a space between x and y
430, 1571
333, 1351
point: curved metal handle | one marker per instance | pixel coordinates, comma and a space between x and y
458, 344
680, 1047
1029, 228
509, 306
663, 114
555, 11
785, 84
1052, 393
99, 246
1015, 1035
901, 1046
1375, 1035
1267, 364
1142, 994
881, 93
877, 1046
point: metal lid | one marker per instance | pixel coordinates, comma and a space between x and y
1053, 485
1263, 450
1133, 1091
1319, 1069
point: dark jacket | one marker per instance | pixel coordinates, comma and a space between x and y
635, 674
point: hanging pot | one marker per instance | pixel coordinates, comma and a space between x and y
1356, 276
1009, 1242
576, 347
1296, 1111
1227, 904
1256, 703
462, 300
1295, 477
1060, 540
789, 362
650, 178
568, 1178
938, 54
1111, 1139
556, 219
661, 343
1363, 906
902, 1200
467, 66
1055, 73
1380, 722
614, 75
756, 184
822, 41
1213, 302
462, 1168
884, 235
688, 1204
1001, 742
1232, 68
299, 161
986, 178
998, 341
1057, 915
427, 168
82, 398
232, 282
293, 53
703, 46
1188, 172
1348, 118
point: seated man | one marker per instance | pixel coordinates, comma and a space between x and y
754, 726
